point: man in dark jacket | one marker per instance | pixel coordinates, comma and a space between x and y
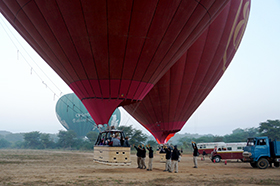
151, 156
195, 154
175, 156
138, 154
143, 157
168, 158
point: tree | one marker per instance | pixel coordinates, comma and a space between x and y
66, 138
92, 136
4, 143
252, 132
135, 136
271, 128
32, 139
186, 143
153, 144
218, 138
46, 142
128, 130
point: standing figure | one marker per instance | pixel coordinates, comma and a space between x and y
168, 158
175, 157
195, 154
116, 141
138, 154
151, 156
143, 157
126, 143
204, 153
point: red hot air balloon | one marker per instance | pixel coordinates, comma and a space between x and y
171, 102
110, 52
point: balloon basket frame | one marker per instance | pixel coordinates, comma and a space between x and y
162, 157
114, 156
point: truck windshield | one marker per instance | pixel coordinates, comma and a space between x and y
250, 142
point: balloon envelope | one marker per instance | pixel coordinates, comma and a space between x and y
73, 115
171, 102
110, 53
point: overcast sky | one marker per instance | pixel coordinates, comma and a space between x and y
247, 94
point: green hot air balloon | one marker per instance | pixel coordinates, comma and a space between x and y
73, 115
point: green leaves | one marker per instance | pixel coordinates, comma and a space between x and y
271, 128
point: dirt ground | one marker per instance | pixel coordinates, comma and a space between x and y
47, 167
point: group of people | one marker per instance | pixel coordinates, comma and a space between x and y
172, 153
141, 156
115, 141
172, 157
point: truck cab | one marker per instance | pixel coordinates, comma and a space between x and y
260, 152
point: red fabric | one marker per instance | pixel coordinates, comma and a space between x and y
175, 97
98, 40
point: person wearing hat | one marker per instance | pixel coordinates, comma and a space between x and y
175, 156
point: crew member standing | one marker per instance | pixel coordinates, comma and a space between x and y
143, 157
175, 156
195, 154
151, 156
138, 154
168, 158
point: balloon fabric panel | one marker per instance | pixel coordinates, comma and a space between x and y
174, 98
110, 52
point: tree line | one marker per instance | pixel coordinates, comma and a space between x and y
270, 128
66, 140
69, 140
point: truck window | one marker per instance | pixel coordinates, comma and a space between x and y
250, 142
261, 142
239, 148
229, 148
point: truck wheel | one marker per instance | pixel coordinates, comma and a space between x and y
253, 164
262, 163
217, 159
276, 164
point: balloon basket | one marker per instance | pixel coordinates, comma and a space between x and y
113, 156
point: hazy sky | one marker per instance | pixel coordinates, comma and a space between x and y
247, 94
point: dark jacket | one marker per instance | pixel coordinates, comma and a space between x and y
175, 154
168, 153
142, 152
195, 150
151, 152
138, 154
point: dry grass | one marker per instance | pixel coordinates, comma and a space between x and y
43, 167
